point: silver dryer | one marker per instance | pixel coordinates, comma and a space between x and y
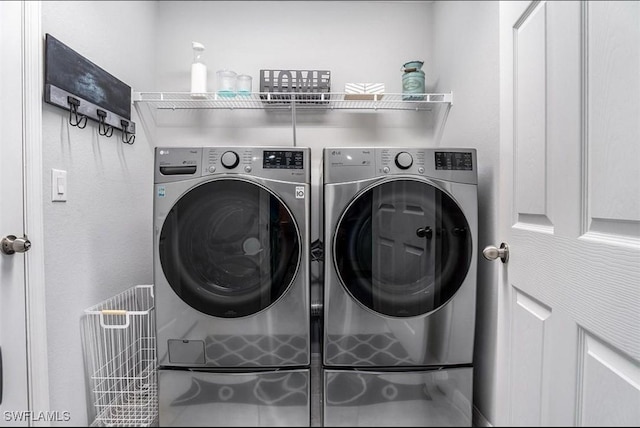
400, 234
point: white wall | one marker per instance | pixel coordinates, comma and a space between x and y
466, 56
98, 243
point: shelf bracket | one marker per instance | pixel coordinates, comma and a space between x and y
293, 118
441, 124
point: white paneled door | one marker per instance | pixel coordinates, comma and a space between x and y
13, 330
569, 339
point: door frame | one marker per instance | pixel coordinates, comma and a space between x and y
35, 308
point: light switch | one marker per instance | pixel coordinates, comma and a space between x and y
58, 185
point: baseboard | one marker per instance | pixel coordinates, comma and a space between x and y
479, 420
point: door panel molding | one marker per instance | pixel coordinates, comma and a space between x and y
613, 232
611, 121
531, 183
606, 379
530, 317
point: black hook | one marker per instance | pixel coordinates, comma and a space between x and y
103, 128
75, 118
127, 137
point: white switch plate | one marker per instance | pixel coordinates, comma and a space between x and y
58, 185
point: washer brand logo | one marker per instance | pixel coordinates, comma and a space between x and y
299, 192
336, 153
164, 152
161, 192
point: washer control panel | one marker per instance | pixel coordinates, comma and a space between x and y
270, 162
281, 163
247, 160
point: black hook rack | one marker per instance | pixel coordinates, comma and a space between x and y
107, 100
81, 110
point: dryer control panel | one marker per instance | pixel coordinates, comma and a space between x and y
361, 163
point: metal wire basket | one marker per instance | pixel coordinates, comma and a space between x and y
118, 340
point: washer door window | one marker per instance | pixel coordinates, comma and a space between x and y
229, 248
402, 248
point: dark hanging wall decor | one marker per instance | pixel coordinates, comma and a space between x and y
74, 83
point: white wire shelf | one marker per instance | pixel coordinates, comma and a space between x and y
297, 100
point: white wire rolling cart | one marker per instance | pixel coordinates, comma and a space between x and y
118, 340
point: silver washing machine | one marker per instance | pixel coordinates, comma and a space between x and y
400, 233
231, 273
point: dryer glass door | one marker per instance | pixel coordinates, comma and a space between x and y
402, 248
229, 248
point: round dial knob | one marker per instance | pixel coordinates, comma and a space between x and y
230, 160
404, 160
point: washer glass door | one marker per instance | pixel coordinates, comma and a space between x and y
229, 248
402, 248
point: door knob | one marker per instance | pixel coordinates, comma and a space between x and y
424, 232
10, 244
492, 253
